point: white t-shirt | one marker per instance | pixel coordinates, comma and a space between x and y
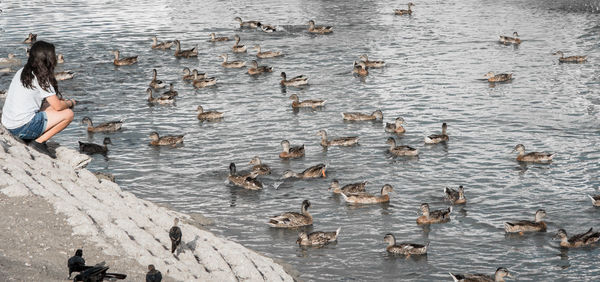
22, 103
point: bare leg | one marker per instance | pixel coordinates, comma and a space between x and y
57, 121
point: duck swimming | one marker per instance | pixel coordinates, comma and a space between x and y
352, 188
247, 181
354, 116
360, 68
318, 29
266, 54
371, 64
403, 150
159, 100
161, 45
579, 240
191, 75
595, 200
31, 38
534, 157
295, 81
437, 216
171, 92
155, 83
401, 12
366, 198
185, 53
502, 77
395, 127
214, 38
91, 148
501, 272
340, 141
438, 138
233, 64
210, 115
318, 238
10, 60
204, 82
526, 225
267, 28
293, 219
125, 61
570, 59
403, 248
259, 168
296, 103
110, 126
506, 40
291, 152
165, 140
255, 69
60, 59
236, 47
248, 24
64, 75
314, 171
454, 196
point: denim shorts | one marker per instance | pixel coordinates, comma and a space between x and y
33, 129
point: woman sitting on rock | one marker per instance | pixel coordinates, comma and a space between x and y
23, 114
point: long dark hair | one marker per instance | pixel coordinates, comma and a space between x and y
41, 63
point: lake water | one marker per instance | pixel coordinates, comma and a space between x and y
435, 59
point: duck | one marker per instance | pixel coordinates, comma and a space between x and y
570, 59
401, 12
595, 200
366, 198
296, 103
210, 115
255, 69
236, 47
534, 157
314, 171
60, 59
159, 100
352, 188
437, 216
91, 148
31, 38
248, 24
522, 226
204, 82
293, 219
110, 126
104, 176
246, 181
191, 75
403, 150
185, 53
10, 60
266, 54
175, 235
403, 248
360, 68
161, 45
395, 127
457, 197
295, 81
318, 29
340, 141
214, 38
155, 83
438, 138
498, 276
317, 238
579, 240
165, 140
125, 61
354, 116
510, 40
371, 64
267, 28
291, 152
171, 92
233, 64
259, 168
502, 77
64, 75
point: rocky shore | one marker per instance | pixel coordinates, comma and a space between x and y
51, 207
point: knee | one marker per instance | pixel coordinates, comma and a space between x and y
68, 115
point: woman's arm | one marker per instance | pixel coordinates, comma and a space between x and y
58, 104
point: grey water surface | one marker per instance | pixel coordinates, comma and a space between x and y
435, 59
